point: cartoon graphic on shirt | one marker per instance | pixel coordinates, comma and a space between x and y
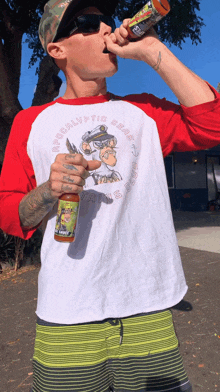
100, 145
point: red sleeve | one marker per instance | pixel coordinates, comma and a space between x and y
17, 175
181, 128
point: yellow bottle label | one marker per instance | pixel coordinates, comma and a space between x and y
144, 19
67, 215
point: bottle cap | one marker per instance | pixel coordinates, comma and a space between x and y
162, 6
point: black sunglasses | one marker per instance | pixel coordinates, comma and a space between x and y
86, 24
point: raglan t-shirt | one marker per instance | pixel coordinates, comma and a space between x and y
125, 259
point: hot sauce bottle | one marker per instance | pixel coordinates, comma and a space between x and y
147, 17
67, 214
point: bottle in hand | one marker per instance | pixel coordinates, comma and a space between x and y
67, 214
147, 17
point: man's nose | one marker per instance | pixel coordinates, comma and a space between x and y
105, 29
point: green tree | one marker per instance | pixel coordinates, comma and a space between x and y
19, 18
218, 88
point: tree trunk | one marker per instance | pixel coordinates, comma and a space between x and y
49, 82
4, 134
19, 251
10, 65
47, 89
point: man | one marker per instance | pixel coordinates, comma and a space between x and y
104, 322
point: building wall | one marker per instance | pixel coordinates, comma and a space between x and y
189, 190
189, 199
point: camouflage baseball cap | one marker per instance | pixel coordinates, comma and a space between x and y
57, 12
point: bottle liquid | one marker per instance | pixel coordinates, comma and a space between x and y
147, 17
67, 214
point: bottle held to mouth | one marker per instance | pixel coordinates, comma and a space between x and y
67, 214
147, 17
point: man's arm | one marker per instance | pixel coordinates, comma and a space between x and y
67, 175
189, 88
35, 206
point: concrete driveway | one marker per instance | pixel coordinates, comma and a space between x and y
198, 230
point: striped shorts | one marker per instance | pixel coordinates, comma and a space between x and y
138, 353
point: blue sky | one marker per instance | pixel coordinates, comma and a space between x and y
137, 77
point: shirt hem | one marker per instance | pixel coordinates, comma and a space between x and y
114, 315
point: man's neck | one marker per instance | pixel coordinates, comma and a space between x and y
85, 88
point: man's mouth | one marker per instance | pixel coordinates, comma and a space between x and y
106, 51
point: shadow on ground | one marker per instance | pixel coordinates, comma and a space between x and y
184, 306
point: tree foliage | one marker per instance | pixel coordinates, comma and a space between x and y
19, 17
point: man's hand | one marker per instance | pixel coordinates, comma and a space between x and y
124, 46
68, 175
69, 172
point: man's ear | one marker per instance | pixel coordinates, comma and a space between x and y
56, 50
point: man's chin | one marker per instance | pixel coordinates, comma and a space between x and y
112, 71
111, 74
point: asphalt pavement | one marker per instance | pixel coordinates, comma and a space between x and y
196, 317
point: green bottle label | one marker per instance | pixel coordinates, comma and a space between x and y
67, 215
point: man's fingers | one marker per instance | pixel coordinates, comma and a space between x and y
119, 36
58, 187
93, 165
68, 179
112, 38
74, 170
111, 43
123, 31
126, 22
115, 43
69, 172
71, 159
76, 159
68, 168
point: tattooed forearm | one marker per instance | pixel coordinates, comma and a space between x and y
35, 206
157, 66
